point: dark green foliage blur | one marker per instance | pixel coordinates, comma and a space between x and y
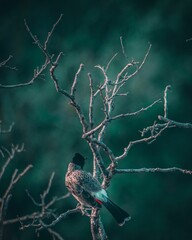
89, 33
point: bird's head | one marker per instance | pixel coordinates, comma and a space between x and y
78, 159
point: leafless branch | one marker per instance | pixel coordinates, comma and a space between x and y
147, 139
46, 192
3, 131
106, 81
110, 61
173, 123
91, 101
127, 77
48, 58
122, 46
7, 193
154, 170
4, 63
35, 215
165, 101
68, 95
37, 73
54, 234
36, 219
51, 32
135, 113
73, 88
15, 178
97, 230
109, 119
59, 218
11, 154
38, 43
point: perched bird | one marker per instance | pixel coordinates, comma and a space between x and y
88, 191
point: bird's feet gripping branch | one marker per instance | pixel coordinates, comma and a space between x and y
89, 192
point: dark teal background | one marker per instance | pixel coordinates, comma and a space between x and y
89, 33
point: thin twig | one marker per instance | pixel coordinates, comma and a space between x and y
3, 63
51, 32
73, 88
38, 43
60, 217
122, 47
2, 131
135, 113
127, 77
37, 74
11, 155
32, 199
110, 61
54, 234
147, 139
46, 192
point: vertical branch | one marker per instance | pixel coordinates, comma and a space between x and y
96, 171
73, 88
165, 101
97, 230
95, 224
91, 101
122, 46
98, 160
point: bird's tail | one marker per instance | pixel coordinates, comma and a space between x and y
118, 213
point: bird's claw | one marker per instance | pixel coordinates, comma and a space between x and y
83, 210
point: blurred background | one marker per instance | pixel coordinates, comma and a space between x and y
89, 33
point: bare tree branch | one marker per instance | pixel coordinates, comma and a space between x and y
11, 155
106, 120
147, 139
37, 73
59, 218
122, 46
135, 113
6, 195
51, 32
54, 234
110, 61
91, 101
154, 170
174, 123
4, 63
15, 178
73, 88
3, 131
165, 101
97, 230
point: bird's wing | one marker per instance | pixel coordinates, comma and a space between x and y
82, 185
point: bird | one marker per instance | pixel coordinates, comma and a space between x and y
88, 191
